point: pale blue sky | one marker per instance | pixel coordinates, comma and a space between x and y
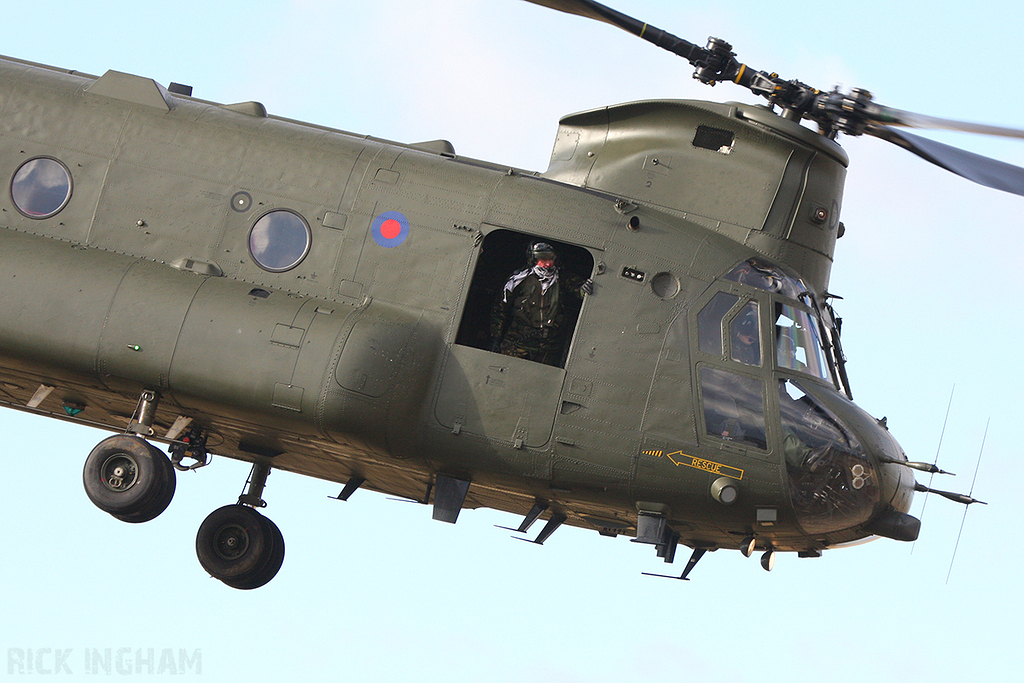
375, 590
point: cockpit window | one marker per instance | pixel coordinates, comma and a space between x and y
798, 342
831, 480
797, 345
733, 407
744, 330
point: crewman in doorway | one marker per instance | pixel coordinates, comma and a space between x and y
528, 319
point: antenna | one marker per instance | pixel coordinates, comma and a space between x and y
970, 494
936, 463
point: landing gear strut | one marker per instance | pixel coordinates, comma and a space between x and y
238, 545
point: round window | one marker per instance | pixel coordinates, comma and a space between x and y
41, 187
279, 240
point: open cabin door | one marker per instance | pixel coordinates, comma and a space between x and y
500, 397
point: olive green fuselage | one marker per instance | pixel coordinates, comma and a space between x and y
361, 357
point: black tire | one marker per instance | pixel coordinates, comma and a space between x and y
269, 571
159, 503
129, 478
234, 543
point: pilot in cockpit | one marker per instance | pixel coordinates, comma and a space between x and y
745, 337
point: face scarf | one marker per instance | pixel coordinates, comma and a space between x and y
547, 277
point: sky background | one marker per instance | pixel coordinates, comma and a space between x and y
373, 589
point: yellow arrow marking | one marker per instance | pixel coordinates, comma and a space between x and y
678, 458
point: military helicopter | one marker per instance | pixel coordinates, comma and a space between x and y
322, 305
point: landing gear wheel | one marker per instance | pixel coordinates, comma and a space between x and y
159, 503
240, 547
768, 560
273, 565
129, 478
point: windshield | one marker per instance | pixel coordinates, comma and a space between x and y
797, 344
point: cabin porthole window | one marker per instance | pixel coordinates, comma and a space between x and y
279, 240
41, 187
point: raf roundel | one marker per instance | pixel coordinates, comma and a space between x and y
390, 229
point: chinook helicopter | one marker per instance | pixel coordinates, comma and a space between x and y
322, 306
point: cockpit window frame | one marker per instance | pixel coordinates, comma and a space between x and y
781, 286
734, 407
808, 325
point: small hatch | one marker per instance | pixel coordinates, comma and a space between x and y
715, 139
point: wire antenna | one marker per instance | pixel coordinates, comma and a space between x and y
971, 494
936, 463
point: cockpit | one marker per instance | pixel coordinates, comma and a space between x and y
799, 327
771, 381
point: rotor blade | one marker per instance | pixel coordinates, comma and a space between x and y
582, 8
899, 117
598, 12
992, 173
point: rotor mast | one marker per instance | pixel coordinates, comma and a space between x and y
853, 113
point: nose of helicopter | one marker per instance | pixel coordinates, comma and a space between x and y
846, 479
896, 484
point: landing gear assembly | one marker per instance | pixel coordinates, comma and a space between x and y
237, 544
134, 481
128, 477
